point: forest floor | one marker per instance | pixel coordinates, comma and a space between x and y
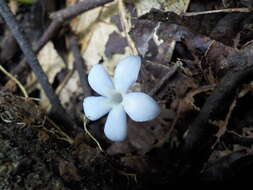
197, 63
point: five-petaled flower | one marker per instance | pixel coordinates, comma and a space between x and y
116, 100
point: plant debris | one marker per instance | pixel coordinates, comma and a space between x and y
196, 63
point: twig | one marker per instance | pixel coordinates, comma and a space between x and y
22, 88
241, 10
79, 65
240, 139
33, 62
47, 35
78, 8
66, 14
64, 82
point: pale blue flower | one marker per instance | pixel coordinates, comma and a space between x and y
116, 100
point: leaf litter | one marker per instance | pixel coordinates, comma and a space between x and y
185, 58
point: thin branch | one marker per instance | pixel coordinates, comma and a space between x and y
47, 35
64, 82
240, 139
33, 62
80, 66
66, 14
59, 18
78, 8
232, 10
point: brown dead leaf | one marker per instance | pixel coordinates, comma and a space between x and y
142, 137
223, 124
188, 101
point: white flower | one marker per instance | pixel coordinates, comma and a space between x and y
115, 99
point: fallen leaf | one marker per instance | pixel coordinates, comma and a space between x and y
177, 6
72, 87
51, 63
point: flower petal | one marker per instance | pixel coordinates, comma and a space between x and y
96, 107
140, 107
99, 80
116, 124
126, 73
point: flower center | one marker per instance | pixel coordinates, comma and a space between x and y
116, 98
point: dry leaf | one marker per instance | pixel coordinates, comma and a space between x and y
51, 63
72, 86
94, 28
177, 6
